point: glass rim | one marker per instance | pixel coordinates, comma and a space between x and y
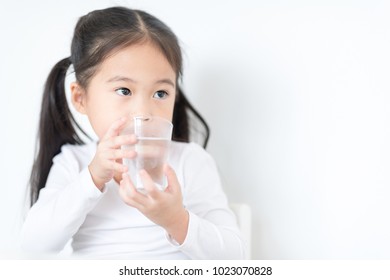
147, 118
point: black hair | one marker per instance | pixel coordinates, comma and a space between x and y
96, 36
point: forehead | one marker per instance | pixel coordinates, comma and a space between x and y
141, 62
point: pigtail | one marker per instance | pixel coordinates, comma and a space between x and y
55, 127
187, 122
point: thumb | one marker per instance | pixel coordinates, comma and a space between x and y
173, 182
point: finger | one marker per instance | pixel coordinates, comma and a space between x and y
173, 182
122, 140
115, 128
115, 166
130, 194
120, 154
126, 196
149, 185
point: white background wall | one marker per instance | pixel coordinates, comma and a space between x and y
296, 94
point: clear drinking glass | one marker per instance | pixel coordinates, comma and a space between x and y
153, 141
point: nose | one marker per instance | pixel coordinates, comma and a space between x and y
140, 107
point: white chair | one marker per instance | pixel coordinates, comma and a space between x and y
244, 220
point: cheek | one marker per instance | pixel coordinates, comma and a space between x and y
99, 115
99, 124
172, 108
171, 111
166, 111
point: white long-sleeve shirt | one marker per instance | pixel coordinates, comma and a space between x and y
100, 225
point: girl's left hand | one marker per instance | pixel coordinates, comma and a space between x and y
164, 208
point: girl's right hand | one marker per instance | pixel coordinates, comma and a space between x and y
108, 157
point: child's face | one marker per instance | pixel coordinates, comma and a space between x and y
137, 80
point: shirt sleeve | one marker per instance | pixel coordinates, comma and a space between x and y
69, 195
212, 232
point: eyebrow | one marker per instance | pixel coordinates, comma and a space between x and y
165, 81
126, 79
120, 78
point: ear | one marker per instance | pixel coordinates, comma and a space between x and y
78, 97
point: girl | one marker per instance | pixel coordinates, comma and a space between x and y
126, 63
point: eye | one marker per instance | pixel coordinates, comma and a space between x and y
160, 94
123, 91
